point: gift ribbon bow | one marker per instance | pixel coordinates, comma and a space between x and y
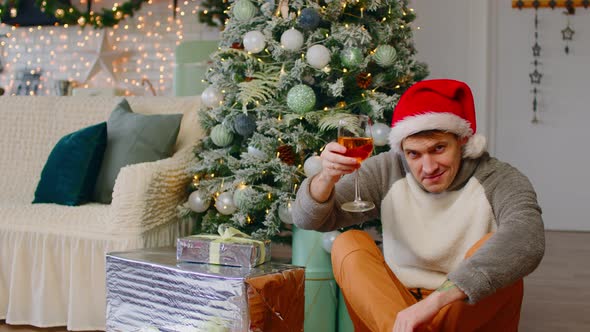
231, 235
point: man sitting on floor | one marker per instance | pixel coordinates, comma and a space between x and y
460, 228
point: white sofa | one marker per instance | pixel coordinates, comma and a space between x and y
52, 257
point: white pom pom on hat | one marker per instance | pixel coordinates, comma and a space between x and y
439, 104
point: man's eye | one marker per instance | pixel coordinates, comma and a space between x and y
439, 148
411, 154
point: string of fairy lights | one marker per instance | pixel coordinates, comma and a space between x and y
145, 44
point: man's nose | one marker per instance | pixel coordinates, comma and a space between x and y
429, 165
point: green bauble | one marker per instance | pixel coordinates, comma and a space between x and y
241, 196
301, 99
385, 55
244, 10
351, 57
221, 136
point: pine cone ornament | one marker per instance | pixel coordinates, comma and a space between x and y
364, 80
287, 154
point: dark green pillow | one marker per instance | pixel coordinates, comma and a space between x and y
70, 172
131, 139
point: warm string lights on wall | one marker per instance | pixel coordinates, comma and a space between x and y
139, 49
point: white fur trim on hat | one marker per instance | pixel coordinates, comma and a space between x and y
475, 147
448, 122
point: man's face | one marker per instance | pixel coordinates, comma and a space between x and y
434, 159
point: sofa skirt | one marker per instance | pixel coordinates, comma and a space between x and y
59, 280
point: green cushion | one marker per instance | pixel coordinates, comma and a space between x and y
133, 138
70, 172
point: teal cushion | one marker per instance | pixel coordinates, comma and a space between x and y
70, 172
131, 139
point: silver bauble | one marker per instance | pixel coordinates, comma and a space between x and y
199, 201
211, 97
225, 203
328, 240
380, 132
285, 212
254, 41
292, 40
318, 56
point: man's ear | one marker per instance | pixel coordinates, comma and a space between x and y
463, 140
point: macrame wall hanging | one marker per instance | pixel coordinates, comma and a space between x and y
567, 34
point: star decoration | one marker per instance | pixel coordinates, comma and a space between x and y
567, 33
535, 77
104, 58
536, 49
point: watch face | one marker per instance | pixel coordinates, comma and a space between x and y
28, 14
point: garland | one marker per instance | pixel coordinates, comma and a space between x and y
68, 14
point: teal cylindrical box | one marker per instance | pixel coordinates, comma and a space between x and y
344, 321
321, 291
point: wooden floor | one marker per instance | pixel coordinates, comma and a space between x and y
557, 294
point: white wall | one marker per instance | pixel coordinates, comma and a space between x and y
552, 153
451, 38
487, 44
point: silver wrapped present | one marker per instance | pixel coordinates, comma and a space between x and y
149, 290
231, 247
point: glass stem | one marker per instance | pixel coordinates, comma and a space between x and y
357, 191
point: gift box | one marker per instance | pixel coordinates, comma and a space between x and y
149, 290
231, 247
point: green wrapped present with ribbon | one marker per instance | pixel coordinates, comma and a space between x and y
231, 247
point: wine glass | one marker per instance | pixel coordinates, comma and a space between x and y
354, 133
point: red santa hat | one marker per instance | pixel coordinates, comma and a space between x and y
440, 104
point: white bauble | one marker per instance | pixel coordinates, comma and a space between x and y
254, 41
318, 56
328, 240
292, 39
225, 203
199, 201
256, 152
285, 210
211, 97
312, 166
380, 132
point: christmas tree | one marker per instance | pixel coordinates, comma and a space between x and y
283, 77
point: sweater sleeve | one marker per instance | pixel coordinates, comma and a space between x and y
376, 176
518, 245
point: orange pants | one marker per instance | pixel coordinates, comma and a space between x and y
374, 295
